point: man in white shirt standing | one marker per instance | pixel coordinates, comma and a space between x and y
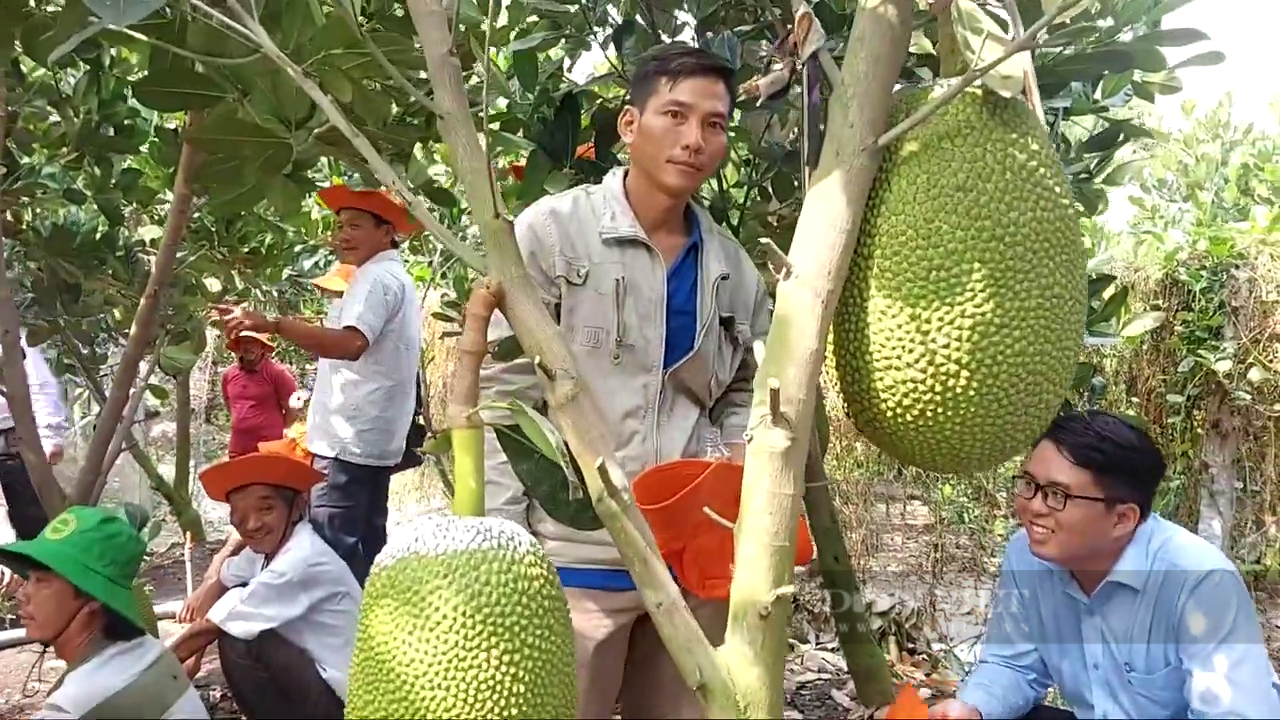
26, 517
369, 348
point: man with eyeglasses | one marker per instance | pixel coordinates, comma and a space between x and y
1127, 614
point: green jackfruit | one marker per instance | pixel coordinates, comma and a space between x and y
958, 328
142, 600
463, 617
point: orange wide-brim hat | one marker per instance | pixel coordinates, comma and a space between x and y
234, 340
375, 202
691, 506
261, 468
338, 279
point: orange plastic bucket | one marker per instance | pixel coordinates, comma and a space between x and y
691, 505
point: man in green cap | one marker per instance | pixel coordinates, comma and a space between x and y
78, 600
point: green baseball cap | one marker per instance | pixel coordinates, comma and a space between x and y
93, 548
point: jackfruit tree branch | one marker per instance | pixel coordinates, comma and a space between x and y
973, 75
824, 240
250, 29
466, 431
571, 401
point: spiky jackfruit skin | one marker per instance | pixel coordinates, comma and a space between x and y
963, 313
463, 617
142, 600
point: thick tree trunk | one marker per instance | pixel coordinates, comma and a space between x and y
786, 383
146, 324
26, 433
1221, 440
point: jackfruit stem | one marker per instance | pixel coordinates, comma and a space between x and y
465, 427
468, 471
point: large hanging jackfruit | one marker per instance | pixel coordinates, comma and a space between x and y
962, 317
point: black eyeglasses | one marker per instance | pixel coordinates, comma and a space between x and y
1055, 498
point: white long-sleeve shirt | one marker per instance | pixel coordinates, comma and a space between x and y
46, 399
307, 594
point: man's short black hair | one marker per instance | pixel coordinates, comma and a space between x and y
115, 627
1122, 457
673, 62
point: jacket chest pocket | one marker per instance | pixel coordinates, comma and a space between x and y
587, 314
732, 337
729, 337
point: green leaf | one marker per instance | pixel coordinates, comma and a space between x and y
1204, 59
1126, 172
123, 12
982, 40
539, 430
506, 349
38, 335
525, 65
1047, 6
135, 514
1111, 307
176, 360
337, 84
159, 392
1086, 66
1099, 284
556, 488
559, 139
176, 88
1172, 37
1083, 375
1102, 140
439, 444
1147, 58
72, 42
224, 134
920, 44
532, 41
620, 38
727, 46
1142, 323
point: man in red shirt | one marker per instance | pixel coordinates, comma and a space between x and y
256, 391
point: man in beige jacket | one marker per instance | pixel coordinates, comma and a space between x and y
660, 307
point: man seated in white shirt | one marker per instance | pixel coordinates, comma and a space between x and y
284, 610
78, 601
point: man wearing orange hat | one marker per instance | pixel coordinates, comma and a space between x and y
256, 391
284, 611
368, 349
660, 307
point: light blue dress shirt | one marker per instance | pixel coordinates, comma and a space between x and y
1171, 633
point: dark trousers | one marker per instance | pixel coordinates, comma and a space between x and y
26, 514
349, 510
1046, 712
270, 677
